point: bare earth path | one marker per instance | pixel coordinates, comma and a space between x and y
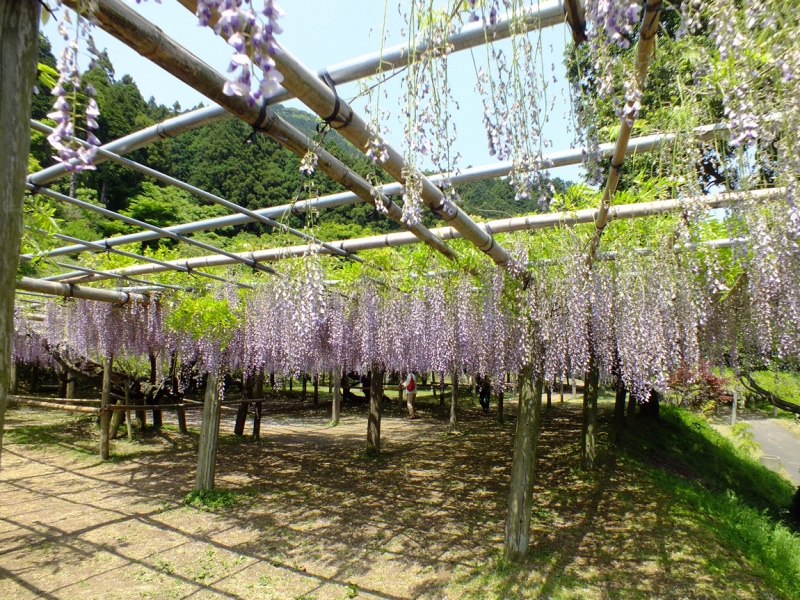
315, 519
777, 441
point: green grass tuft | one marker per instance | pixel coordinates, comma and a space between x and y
211, 499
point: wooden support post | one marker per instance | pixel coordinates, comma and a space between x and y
116, 418
244, 407
400, 403
291, 382
500, 413
526, 440
13, 386
34, 381
157, 415
734, 407
589, 433
619, 411
374, 419
330, 382
337, 395
19, 49
128, 413
630, 415
304, 396
209, 436
549, 396
561, 389
316, 389
105, 416
454, 402
259, 393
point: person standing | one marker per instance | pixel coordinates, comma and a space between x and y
410, 386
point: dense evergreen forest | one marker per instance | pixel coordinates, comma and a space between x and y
217, 159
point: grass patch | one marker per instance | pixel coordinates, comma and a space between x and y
728, 492
212, 500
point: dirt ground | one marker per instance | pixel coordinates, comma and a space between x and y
315, 518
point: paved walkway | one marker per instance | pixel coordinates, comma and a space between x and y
777, 441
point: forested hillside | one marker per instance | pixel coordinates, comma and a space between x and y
217, 159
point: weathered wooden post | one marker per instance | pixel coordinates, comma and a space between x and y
400, 403
259, 394
304, 396
374, 419
500, 413
619, 410
734, 407
549, 396
589, 433
105, 415
330, 382
19, 49
631, 413
454, 401
337, 395
316, 389
209, 436
244, 407
158, 418
13, 385
526, 440
177, 395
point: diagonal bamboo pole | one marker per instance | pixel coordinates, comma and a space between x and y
148, 40
647, 39
322, 100
576, 18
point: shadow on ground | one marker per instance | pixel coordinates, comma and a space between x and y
315, 518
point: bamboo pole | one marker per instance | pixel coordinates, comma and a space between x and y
523, 466
316, 95
105, 415
52, 405
19, 48
576, 18
148, 40
209, 437
530, 222
647, 39
70, 290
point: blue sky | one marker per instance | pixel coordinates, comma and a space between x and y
322, 34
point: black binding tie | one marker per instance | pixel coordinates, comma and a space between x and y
337, 104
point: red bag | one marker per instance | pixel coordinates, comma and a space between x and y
412, 385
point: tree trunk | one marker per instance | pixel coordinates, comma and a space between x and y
19, 49
589, 433
549, 396
374, 419
105, 416
619, 411
209, 437
337, 395
561, 389
316, 389
454, 402
526, 440
304, 397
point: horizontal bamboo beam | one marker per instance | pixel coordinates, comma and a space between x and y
53, 405
76, 400
70, 290
535, 221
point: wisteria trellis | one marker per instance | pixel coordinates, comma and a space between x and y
648, 314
